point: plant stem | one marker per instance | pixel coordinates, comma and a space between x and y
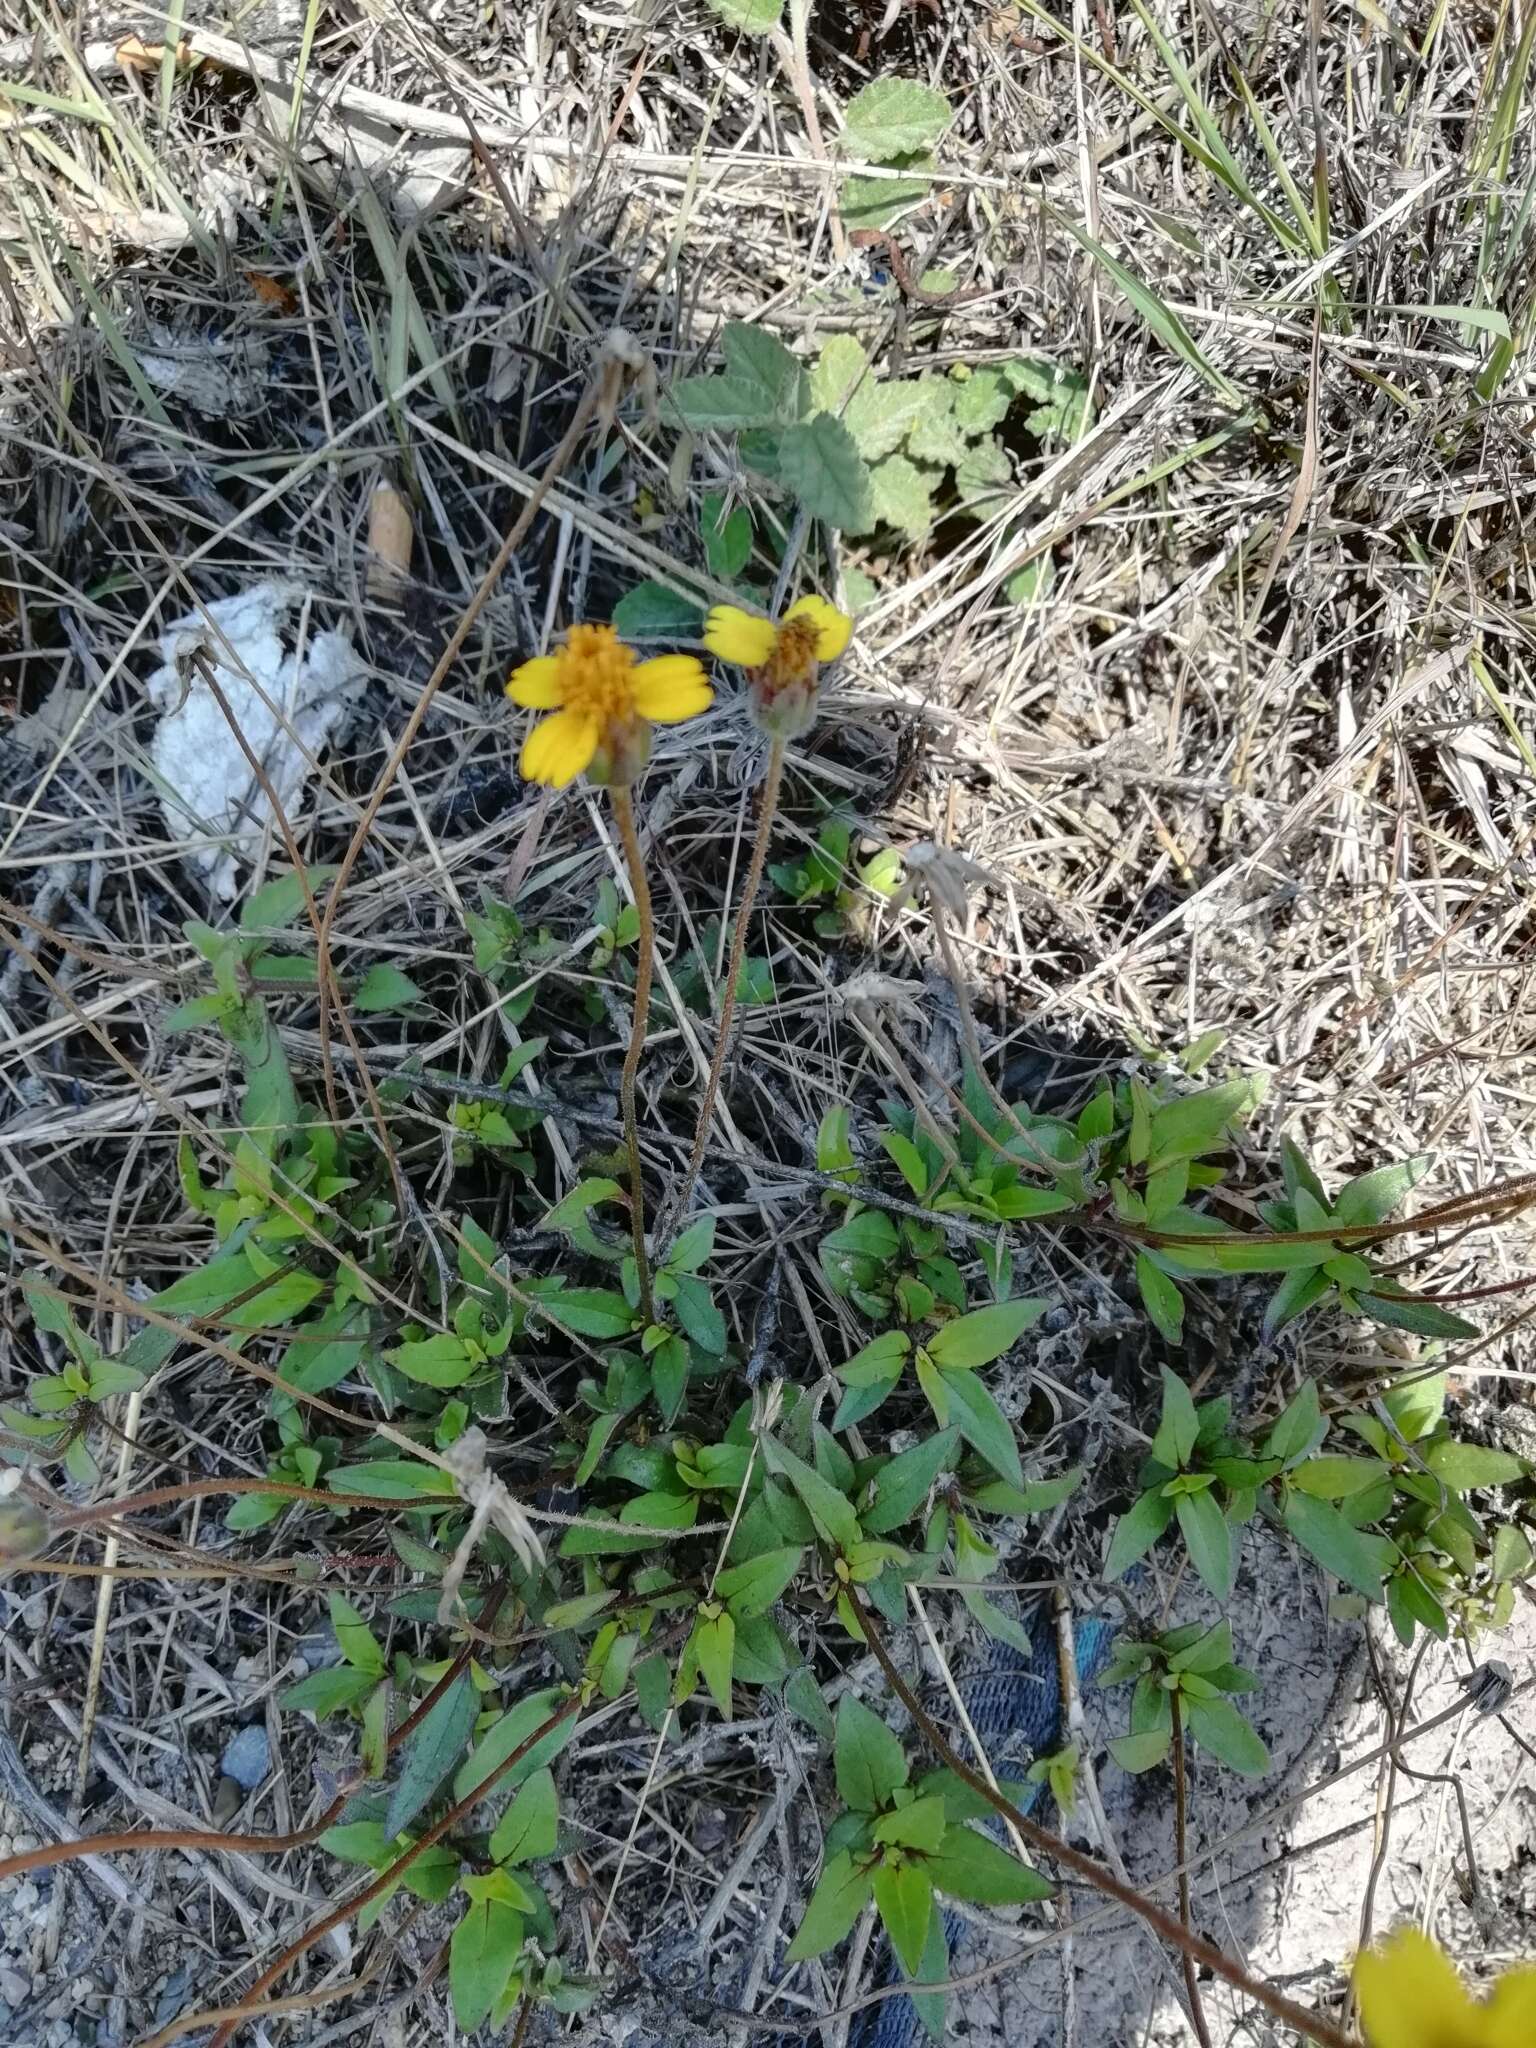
1180, 1834
769, 806
1039, 1155
640, 888
1312, 2025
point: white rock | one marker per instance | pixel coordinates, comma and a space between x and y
288, 707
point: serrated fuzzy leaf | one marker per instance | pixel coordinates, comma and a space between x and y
820, 463
752, 17
901, 495
892, 117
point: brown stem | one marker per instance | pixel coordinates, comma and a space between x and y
769, 806
1084, 1867
645, 952
1180, 1843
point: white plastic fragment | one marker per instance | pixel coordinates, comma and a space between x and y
289, 702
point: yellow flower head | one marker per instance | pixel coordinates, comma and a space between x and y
783, 661
1411, 1997
605, 702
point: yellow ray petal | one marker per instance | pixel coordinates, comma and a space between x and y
1411, 1997
558, 748
671, 688
1510, 2021
536, 685
834, 629
739, 636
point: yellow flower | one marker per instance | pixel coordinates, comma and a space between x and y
604, 703
783, 661
1411, 1997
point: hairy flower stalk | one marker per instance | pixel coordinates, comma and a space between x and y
602, 702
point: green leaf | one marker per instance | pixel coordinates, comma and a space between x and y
893, 117
753, 1587
435, 1749
697, 1313
358, 1643
871, 1234
1410, 1312
727, 535
840, 1896
902, 1486
972, 1866
877, 202
1512, 1557
913, 1166
904, 1900
654, 611
901, 495
531, 1824
1143, 1751
1178, 1431
1208, 1539
830, 1510
1137, 1531
1162, 1299
752, 17
590, 1311
1338, 1547
325, 1692
981, 402
578, 1205
442, 1360
869, 1761
1217, 1726
385, 988
921, 1825
392, 1479
1373, 1196
1416, 1405
692, 1247
483, 1952
1334, 1477
981, 1422
508, 1734
820, 464
194, 1014
803, 1696
986, 1333
278, 902
1464, 1466
1300, 1425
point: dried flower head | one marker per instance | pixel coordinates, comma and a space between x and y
604, 702
943, 875
784, 661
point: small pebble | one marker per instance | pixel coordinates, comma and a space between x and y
247, 1756
14, 1989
